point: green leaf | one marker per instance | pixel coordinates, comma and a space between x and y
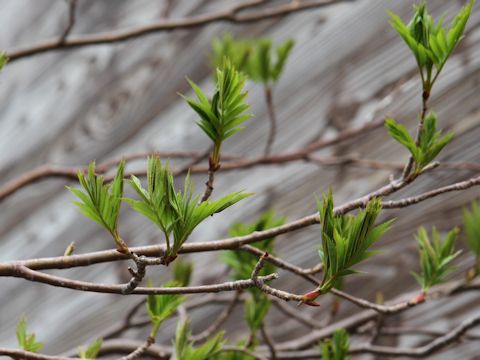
182, 272
431, 141
337, 347
26, 341
255, 311
435, 257
221, 116
184, 349
177, 213
283, 51
471, 223
161, 307
431, 44
99, 201
346, 239
241, 262
91, 352
3, 59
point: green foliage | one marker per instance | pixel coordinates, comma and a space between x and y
182, 272
430, 144
161, 307
336, 348
346, 239
27, 341
223, 115
435, 257
255, 58
101, 202
3, 60
91, 352
237, 51
184, 349
256, 308
176, 213
241, 262
471, 222
431, 43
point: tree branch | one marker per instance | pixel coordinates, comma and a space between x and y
231, 15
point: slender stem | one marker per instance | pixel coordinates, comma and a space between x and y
272, 117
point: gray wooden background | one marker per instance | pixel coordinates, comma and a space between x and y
348, 67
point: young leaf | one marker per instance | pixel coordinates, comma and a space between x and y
161, 307
471, 223
255, 311
101, 202
91, 352
3, 60
431, 141
184, 349
182, 272
337, 347
346, 239
177, 213
237, 51
27, 341
223, 115
431, 44
241, 262
435, 257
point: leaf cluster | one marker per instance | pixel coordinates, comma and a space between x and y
241, 262
431, 141
471, 223
431, 43
223, 114
346, 239
435, 257
256, 308
182, 272
177, 213
91, 352
184, 349
99, 201
161, 307
257, 59
337, 347
25, 340
3, 60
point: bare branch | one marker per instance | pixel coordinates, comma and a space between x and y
32, 275
230, 15
72, 5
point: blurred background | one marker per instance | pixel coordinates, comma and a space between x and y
347, 67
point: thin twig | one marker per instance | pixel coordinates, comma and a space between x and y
72, 5
140, 350
35, 276
219, 321
272, 117
63, 262
231, 15
269, 341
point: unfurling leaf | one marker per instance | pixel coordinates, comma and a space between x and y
431, 44
184, 349
161, 307
91, 352
471, 222
337, 347
430, 144
101, 202
346, 239
224, 114
177, 213
25, 340
435, 257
